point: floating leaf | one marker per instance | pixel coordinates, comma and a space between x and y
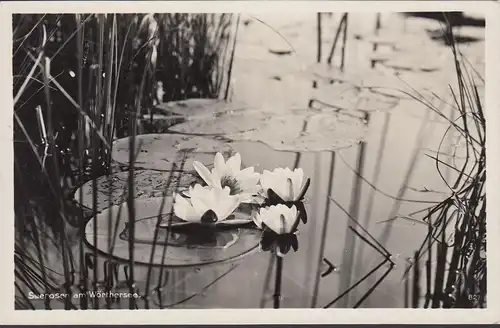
353, 76
419, 61
161, 151
199, 107
356, 99
147, 183
176, 254
324, 132
224, 124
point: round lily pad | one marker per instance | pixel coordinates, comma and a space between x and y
224, 124
418, 61
173, 248
113, 189
352, 99
200, 107
324, 132
161, 151
353, 76
159, 123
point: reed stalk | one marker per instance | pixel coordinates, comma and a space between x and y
277, 283
460, 273
86, 73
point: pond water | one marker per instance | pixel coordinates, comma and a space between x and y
381, 173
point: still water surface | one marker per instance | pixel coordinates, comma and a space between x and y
385, 175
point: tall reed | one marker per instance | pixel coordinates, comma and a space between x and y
457, 225
80, 81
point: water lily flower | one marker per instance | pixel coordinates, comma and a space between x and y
208, 205
279, 223
243, 183
287, 184
284, 186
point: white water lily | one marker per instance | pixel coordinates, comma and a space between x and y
287, 184
279, 218
217, 202
243, 183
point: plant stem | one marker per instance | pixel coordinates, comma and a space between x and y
336, 38
231, 60
319, 35
344, 43
277, 283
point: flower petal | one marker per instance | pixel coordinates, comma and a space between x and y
290, 215
274, 181
234, 163
226, 206
249, 183
200, 199
184, 210
203, 172
282, 188
216, 179
271, 218
257, 219
219, 165
265, 180
247, 171
297, 180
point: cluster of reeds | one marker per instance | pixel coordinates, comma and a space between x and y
80, 81
453, 253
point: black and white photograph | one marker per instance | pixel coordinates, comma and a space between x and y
241, 160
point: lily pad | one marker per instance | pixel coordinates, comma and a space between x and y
147, 183
161, 151
418, 61
224, 124
227, 245
352, 99
324, 132
159, 123
200, 107
359, 77
399, 41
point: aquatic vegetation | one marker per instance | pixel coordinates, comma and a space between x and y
287, 184
206, 205
168, 211
200, 107
306, 130
284, 186
279, 223
163, 240
243, 183
456, 235
112, 189
161, 151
